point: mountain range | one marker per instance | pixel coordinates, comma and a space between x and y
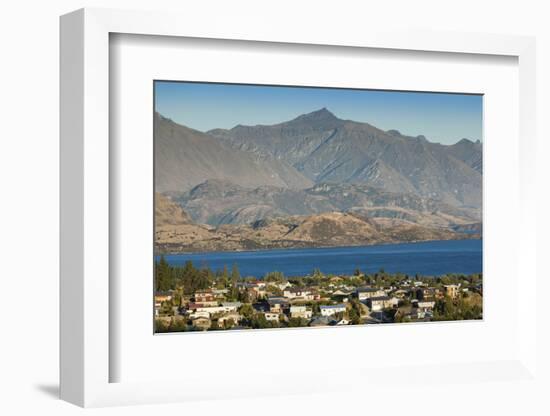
324, 148
314, 169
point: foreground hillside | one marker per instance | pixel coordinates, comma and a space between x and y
176, 232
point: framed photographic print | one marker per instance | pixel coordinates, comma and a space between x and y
292, 201
297, 217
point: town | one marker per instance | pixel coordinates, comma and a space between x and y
192, 299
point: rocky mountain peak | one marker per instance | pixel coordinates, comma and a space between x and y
320, 115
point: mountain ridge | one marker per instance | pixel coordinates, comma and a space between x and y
325, 148
184, 157
328, 229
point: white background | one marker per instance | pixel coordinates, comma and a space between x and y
137, 60
29, 209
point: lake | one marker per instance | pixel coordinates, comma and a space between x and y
431, 258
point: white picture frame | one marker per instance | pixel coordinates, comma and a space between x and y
86, 356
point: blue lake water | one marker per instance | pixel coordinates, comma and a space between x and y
431, 258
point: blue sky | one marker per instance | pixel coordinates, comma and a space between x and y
443, 118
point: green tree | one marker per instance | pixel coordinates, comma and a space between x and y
274, 277
246, 310
354, 316
235, 274
163, 275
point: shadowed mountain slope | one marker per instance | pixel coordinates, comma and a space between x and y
185, 157
325, 148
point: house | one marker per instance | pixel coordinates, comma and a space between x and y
262, 306
425, 304
283, 285
277, 304
377, 303
424, 308
231, 306
400, 293
202, 323
163, 297
230, 319
452, 290
320, 321
330, 310
272, 317
364, 293
299, 311
204, 296
219, 293
199, 314
192, 306
425, 293
341, 295
257, 292
246, 285
225, 307
300, 293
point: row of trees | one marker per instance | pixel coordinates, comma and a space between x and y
191, 278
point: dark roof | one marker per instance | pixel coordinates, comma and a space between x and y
341, 305
368, 289
319, 321
380, 298
298, 289
277, 300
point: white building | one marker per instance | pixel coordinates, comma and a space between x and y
298, 293
234, 317
229, 307
199, 314
270, 316
378, 303
365, 293
330, 310
297, 311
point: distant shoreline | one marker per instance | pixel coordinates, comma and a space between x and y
170, 253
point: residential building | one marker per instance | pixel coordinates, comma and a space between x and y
424, 308
341, 295
300, 293
225, 320
330, 310
277, 304
271, 316
163, 297
377, 303
231, 306
199, 314
299, 311
224, 308
425, 293
204, 296
320, 321
452, 290
364, 293
202, 323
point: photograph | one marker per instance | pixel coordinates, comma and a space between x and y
301, 206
